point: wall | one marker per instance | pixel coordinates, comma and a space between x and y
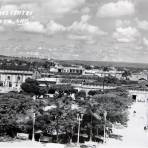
140, 95
13, 79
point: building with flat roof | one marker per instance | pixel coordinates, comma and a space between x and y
101, 73
139, 75
13, 78
74, 69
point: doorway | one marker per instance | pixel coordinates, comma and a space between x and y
134, 97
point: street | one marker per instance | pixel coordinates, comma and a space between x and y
134, 134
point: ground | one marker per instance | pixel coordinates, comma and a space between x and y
29, 144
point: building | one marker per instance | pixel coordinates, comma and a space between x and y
90, 72
53, 69
139, 75
74, 69
139, 95
101, 73
46, 80
14, 78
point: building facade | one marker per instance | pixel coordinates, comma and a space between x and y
139, 95
101, 73
70, 69
14, 78
138, 76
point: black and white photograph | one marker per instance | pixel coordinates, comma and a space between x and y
73, 73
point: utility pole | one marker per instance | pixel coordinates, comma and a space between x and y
33, 119
91, 130
79, 118
105, 114
33, 130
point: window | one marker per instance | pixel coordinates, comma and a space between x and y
1, 83
18, 78
134, 97
8, 77
10, 84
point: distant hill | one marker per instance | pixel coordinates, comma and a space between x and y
80, 62
105, 63
29, 59
2, 56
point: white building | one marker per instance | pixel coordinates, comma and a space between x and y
47, 80
90, 72
138, 76
14, 78
74, 69
139, 95
101, 73
53, 69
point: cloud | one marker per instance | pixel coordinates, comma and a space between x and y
53, 27
63, 6
145, 42
85, 18
61, 3
35, 27
58, 6
86, 38
2, 29
116, 9
142, 24
122, 23
85, 10
83, 31
127, 34
78, 37
85, 27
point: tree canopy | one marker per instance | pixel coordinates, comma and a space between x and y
32, 87
13, 111
61, 117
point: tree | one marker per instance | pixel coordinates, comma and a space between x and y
115, 104
111, 80
94, 92
116, 107
81, 94
126, 74
14, 112
62, 118
32, 87
105, 69
61, 89
119, 91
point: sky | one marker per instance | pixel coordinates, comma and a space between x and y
96, 30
